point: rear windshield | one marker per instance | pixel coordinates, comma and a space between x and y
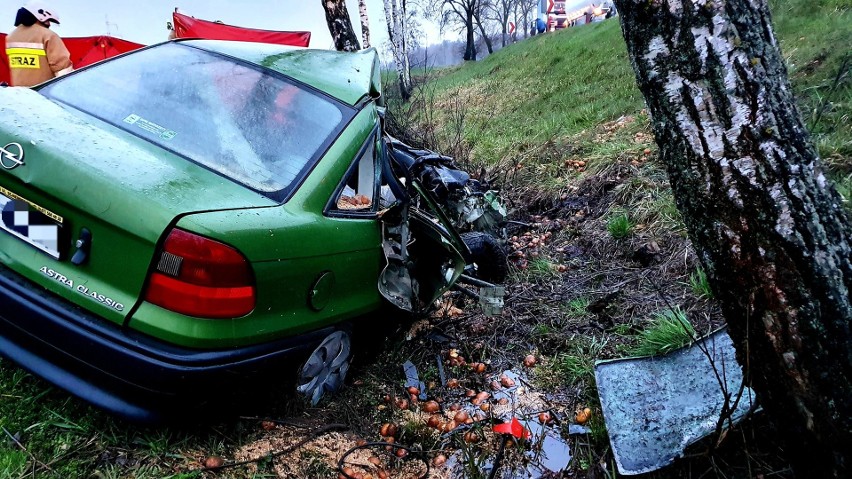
241, 121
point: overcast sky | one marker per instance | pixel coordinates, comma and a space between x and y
145, 21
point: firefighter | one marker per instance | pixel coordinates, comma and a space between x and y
36, 54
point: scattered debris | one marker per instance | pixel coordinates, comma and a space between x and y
412, 380
654, 407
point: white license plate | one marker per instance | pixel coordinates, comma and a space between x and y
30, 223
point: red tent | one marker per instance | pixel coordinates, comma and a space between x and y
88, 50
84, 51
189, 27
4, 61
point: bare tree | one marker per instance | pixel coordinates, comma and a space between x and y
340, 25
395, 16
769, 228
479, 16
365, 23
523, 14
501, 11
459, 13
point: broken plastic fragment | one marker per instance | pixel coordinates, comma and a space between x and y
491, 300
513, 427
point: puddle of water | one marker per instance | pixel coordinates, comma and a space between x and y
550, 453
547, 452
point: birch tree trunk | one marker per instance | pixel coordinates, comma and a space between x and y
365, 23
395, 18
340, 25
768, 227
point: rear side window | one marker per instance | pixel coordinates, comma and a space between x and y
242, 122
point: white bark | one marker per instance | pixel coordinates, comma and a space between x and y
395, 17
365, 23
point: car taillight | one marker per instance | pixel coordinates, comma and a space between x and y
197, 276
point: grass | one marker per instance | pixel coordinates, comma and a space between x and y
576, 308
562, 87
573, 366
538, 103
669, 330
538, 270
699, 284
620, 226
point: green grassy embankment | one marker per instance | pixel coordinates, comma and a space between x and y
532, 101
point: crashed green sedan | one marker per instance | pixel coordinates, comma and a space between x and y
196, 215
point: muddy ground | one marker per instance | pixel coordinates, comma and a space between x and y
576, 294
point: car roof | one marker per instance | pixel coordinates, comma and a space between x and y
349, 77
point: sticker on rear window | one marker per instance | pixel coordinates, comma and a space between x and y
150, 127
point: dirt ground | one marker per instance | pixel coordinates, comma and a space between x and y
576, 294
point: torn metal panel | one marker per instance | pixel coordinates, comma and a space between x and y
491, 300
655, 407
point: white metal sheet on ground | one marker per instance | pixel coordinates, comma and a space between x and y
655, 407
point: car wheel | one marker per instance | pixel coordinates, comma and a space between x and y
492, 265
325, 369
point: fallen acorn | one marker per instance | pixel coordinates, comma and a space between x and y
374, 460
402, 403
433, 422
346, 473
449, 426
455, 407
382, 474
480, 398
361, 442
544, 418
506, 381
413, 390
267, 425
461, 416
470, 393
471, 437
388, 429
400, 453
529, 361
439, 460
582, 417
431, 406
452, 383
495, 386
213, 462
503, 401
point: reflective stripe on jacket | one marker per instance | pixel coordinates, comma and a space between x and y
36, 54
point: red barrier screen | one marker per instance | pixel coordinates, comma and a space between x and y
189, 27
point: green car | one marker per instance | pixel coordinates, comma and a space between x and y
199, 214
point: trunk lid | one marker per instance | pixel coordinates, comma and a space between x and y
78, 178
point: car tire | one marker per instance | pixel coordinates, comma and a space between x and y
325, 369
492, 265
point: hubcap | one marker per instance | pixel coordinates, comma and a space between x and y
326, 368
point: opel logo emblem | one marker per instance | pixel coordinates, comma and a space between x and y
11, 156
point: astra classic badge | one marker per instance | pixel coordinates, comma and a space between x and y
11, 156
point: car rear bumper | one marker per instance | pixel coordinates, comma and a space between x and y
127, 373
